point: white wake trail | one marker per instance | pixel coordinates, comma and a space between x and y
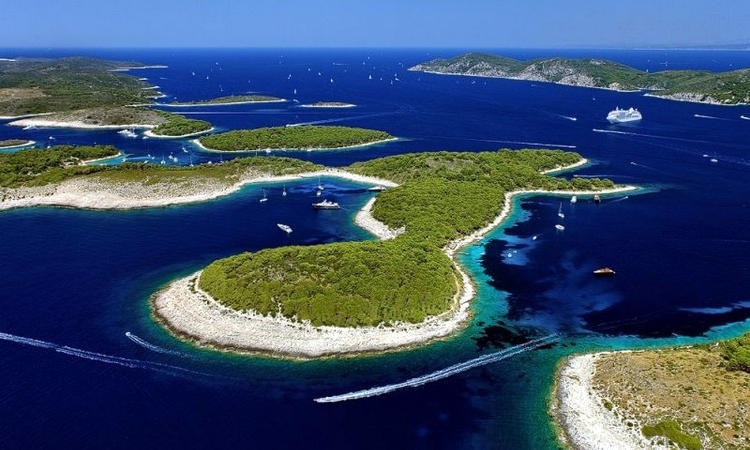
442, 373
341, 119
703, 116
101, 357
154, 348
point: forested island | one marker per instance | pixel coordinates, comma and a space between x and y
230, 99
34, 86
407, 282
689, 397
292, 137
726, 88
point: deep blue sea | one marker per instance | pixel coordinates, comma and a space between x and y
77, 281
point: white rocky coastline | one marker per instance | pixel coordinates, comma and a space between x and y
151, 134
586, 423
44, 123
92, 193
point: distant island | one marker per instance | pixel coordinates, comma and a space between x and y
159, 123
34, 86
723, 88
12, 143
230, 100
328, 105
292, 137
689, 397
85, 93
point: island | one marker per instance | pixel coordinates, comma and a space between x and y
230, 100
14, 143
303, 137
328, 105
690, 397
350, 298
35, 85
402, 290
159, 123
723, 88
85, 93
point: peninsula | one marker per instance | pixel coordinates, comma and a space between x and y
724, 88
688, 397
160, 123
34, 86
306, 137
230, 100
85, 93
14, 143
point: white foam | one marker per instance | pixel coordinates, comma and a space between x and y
101, 357
442, 373
150, 346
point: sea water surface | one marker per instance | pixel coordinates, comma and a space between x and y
78, 281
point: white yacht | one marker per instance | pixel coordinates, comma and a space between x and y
624, 115
326, 204
285, 228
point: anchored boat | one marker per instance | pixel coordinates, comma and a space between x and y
326, 204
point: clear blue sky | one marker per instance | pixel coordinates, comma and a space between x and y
372, 23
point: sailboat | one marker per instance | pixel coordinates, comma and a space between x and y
369, 77
560, 227
573, 199
320, 186
286, 228
560, 213
264, 199
283, 191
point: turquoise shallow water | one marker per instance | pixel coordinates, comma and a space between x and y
82, 278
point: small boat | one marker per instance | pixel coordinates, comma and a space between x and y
604, 272
317, 194
714, 160
268, 151
128, 133
184, 149
320, 186
597, 199
377, 188
534, 238
30, 127
286, 228
560, 213
326, 204
560, 227
283, 191
573, 199
264, 199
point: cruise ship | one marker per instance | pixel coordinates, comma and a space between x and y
624, 115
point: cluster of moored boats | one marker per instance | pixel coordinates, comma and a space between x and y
323, 204
604, 271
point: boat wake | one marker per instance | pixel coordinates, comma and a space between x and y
150, 346
442, 373
702, 116
571, 118
498, 141
744, 118
669, 138
107, 359
342, 119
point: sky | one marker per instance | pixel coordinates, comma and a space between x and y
373, 23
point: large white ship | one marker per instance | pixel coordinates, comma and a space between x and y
624, 115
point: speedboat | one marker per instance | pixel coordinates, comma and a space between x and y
286, 228
604, 271
560, 227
